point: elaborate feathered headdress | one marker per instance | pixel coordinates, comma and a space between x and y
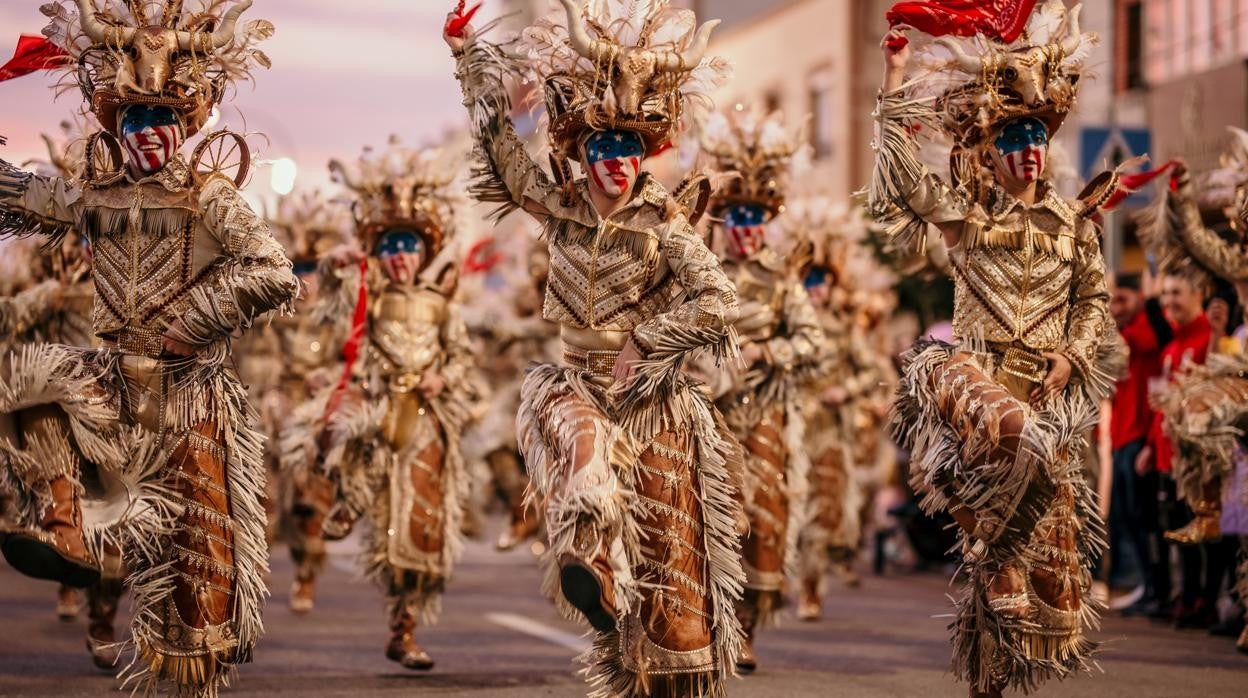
156, 52
760, 153
404, 187
983, 80
308, 226
636, 65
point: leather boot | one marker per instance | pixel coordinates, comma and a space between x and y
103, 598
56, 550
314, 497
589, 587
1206, 527
810, 601
67, 603
747, 661
402, 647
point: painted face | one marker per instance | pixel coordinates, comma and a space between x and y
745, 225
817, 285
613, 159
402, 255
1023, 148
151, 136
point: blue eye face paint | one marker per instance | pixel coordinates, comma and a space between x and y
304, 268
1020, 134
141, 116
817, 276
613, 145
400, 241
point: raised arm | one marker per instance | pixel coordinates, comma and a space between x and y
506, 175
31, 204
32, 307
254, 276
1187, 226
798, 348
904, 194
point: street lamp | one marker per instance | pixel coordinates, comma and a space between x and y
282, 176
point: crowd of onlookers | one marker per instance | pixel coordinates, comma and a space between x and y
1167, 324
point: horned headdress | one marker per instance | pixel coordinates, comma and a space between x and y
757, 152
402, 187
636, 65
156, 52
308, 226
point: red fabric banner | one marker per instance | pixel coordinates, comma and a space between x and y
999, 19
351, 350
33, 53
1129, 184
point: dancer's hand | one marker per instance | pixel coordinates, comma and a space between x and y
896, 49
171, 345
1056, 380
431, 385
625, 362
1144, 461
456, 31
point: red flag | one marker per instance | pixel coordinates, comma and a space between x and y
481, 257
351, 350
999, 19
33, 53
1129, 184
455, 25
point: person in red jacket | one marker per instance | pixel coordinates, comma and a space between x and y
1133, 498
1183, 294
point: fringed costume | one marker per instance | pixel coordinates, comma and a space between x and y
638, 478
296, 358
1029, 280
1205, 410
395, 421
756, 154
843, 403
180, 262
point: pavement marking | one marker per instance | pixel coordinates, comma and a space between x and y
530, 627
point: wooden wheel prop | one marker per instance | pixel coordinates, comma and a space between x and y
223, 154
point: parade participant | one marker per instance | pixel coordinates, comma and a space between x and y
632, 465
392, 440
780, 339
179, 265
997, 423
294, 358
840, 404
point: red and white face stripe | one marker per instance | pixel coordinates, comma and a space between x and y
1027, 165
151, 148
745, 240
615, 177
402, 267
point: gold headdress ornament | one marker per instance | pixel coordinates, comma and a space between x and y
757, 151
635, 65
179, 57
308, 226
403, 187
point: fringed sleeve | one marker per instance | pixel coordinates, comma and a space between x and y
904, 195
703, 321
28, 309
1181, 225
504, 174
339, 293
797, 349
254, 276
1089, 313
30, 204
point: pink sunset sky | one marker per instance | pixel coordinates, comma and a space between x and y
345, 74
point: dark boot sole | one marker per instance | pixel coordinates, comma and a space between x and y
410, 662
36, 559
581, 588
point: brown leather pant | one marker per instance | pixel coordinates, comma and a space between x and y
767, 508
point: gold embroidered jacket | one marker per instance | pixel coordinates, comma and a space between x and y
642, 270
1024, 275
163, 251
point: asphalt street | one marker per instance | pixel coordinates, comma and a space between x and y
498, 637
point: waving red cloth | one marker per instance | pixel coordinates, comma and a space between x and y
351, 350
33, 53
1131, 183
455, 25
999, 19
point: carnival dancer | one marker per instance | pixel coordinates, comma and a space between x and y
395, 419
631, 463
840, 275
1203, 411
180, 264
780, 337
297, 358
997, 423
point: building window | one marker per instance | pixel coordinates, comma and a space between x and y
1129, 51
821, 127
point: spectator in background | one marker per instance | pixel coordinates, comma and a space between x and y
1183, 293
1133, 497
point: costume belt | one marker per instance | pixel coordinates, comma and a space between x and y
1021, 361
139, 341
600, 363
